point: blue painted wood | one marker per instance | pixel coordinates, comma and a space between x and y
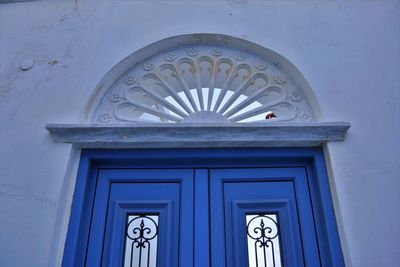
289, 232
117, 226
201, 219
148, 187
260, 184
142, 197
326, 226
311, 159
79, 224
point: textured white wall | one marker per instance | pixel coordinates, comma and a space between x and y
348, 51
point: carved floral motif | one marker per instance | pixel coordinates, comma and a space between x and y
116, 97
148, 66
260, 65
296, 96
129, 80
239, 57
279, 79
169, 57
193, 52
216, 52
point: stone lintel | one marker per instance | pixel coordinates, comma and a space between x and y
187, 135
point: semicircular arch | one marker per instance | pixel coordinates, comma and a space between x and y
202, 78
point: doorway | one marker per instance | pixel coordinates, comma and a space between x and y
204, 207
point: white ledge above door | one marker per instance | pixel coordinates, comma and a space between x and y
199, 135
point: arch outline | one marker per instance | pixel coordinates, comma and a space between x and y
203, 39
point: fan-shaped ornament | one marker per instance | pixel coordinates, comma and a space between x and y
203, 83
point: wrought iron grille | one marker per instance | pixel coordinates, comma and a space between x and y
263, 240
141, 241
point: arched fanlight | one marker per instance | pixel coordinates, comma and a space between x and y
203, 83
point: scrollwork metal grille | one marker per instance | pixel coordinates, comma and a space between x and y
263, 240
141, 241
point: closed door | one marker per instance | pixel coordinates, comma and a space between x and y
201, 217
142, 218
262, 217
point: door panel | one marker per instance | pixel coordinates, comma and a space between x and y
235, 193
199, 212
164, 193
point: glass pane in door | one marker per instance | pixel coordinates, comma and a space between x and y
263, 244
141, 241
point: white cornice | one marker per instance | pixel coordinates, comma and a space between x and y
185, 135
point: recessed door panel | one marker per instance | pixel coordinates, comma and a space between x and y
139, 217
262, 217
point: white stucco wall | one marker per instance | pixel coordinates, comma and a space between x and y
349, 52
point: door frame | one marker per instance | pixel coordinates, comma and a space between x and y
311, 159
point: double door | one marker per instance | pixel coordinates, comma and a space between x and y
255, 217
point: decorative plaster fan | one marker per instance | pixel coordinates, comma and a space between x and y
203, 84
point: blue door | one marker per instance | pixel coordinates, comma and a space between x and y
139, 217
200, 212
262, 217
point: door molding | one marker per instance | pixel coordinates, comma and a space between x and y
311, 159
